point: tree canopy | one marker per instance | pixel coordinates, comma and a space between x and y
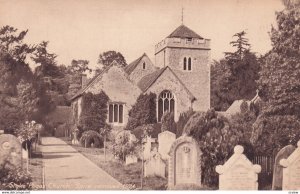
106, 58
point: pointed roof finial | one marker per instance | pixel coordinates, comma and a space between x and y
182, 15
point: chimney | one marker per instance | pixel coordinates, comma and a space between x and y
83, 80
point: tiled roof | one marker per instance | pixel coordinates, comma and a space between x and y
149, 79
129, 68
184, 32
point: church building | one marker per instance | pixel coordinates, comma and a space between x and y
179, 76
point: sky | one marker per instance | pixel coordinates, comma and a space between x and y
82, 29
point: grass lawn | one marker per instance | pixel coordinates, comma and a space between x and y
129, 175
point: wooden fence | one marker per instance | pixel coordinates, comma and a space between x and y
266, 162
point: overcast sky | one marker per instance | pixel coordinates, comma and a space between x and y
82, 29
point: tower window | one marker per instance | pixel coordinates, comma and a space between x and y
144, 65
187, 64
190, 64
189, 40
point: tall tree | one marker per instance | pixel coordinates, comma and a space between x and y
79, 66
234, 77
279, 84
47, 62
106, 58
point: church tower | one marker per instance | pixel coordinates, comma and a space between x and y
188, 55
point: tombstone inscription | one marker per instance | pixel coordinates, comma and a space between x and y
238, 173
184, 163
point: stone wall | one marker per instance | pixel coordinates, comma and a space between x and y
139, 72
167, 81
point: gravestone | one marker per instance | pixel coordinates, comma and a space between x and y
165, 141
148, 147
277, 173
238, 173
291, 170
10, 149
1, 132
184, 163
25, 154
130, 159
155, 166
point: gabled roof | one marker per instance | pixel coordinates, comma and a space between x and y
129, 68
184, 32
150, 79
104, 70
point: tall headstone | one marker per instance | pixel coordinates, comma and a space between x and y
165, 141
11, 150
75, 137
284, 153
147, 147
184, 163
291, 170
238, 173
155, 166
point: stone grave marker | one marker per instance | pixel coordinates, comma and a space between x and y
130, 159
155, 166
147, 147
25, 154
11, 149
277, 173
165, 141
238, 172
291, 170
75, 137
184, 163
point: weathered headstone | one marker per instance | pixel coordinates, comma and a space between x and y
148, 147
1, 132
130, 159
25, 154
10, 149
277, 173
291, 170
155, 166
165, 141
238, 173
184, 163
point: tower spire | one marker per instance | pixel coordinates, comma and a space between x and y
182, 15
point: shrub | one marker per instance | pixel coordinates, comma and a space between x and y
183, 119
94, 111
150, 130
216, 139
168, 123
91, 137
12, 178
142, 112
124, 144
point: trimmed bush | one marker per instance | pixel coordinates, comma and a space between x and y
142, 112
150, 129
168, 123
91, 139
183, 119
216, 140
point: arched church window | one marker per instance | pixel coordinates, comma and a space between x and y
190, 64
184, 63
166, 102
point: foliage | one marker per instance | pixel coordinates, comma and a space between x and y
27, 99
106, 58
168, 123
142, 112
47, 61
12, 178
94, 111
91, 138
183, 119
124, 144
147, 130
234, 77
278, 124
27, 131
79, 66
216, 138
